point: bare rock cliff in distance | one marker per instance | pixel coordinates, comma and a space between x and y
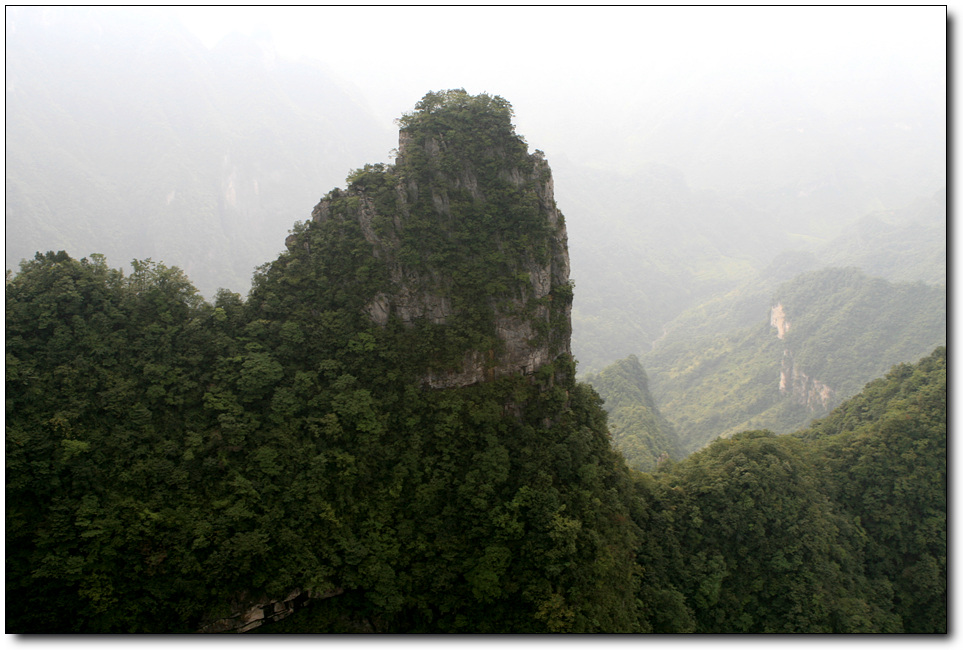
465, 241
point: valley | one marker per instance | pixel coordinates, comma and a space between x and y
276, 365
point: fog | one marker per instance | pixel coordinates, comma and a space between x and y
755, 202
603, 85
691, 147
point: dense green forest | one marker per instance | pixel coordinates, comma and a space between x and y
165, 455
172, 460
837, 528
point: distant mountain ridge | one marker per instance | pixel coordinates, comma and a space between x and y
906, 244
814, 341
658, 247
127, 137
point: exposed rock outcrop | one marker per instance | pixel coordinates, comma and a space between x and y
777, 319
793, 382
441, 179
802, 388
249, 616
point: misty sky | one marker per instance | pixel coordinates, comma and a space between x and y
565, 67
759, 103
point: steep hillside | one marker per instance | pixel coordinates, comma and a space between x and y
838, 528
386, 435
637, 427
826, 334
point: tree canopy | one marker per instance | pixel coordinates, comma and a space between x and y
170, 461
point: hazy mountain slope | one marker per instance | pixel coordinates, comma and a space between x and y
837, 329
646, 247
840, 528
127, 137
637, 427
905, 244
715, 175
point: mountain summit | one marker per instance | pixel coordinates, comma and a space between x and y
463, 238
387, 436
388, 430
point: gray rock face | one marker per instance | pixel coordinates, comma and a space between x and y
803, 389
247, 615
532, 329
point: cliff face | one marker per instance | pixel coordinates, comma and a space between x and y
802, 388
255, 455
466, 238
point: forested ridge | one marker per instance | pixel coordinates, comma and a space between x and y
638, 428
837, 528
170, 460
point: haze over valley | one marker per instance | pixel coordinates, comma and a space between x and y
429, 319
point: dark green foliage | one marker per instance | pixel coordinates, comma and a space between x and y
103, 400
169, 460
159, 466
638, 429
885, 452
840, 528
766, 550
140, 503
485, 523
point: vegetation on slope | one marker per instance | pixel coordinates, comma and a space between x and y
839, 528
637, 427
170, 460
845, 329
885, 457
166, 456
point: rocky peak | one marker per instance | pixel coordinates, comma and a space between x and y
467, 240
